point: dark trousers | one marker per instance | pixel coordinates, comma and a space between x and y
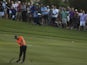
53, 20
22, 53
36, 20
24, 16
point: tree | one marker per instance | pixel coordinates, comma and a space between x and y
51, 2
79, 4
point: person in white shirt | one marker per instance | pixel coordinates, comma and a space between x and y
82, 21
55, 13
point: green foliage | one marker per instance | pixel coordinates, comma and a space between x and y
51, 2
64, 4
80, 4
54, 2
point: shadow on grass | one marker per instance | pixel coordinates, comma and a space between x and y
6, 64
9, 63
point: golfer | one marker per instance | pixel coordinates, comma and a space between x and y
21, 42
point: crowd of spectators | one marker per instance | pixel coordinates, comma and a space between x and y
65, 17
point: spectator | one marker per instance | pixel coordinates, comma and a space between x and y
19, 11
44, 13
86, 21
64, 17
55, 13
8, 10
36, 17
24, 12
13, 14
76, 20
1, 10
72, 13
82, 21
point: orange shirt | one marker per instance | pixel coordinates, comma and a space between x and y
21, 41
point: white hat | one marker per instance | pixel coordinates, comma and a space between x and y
76, 10
19, 2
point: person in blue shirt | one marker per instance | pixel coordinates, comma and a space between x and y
44, 13
36, 16
1, 10
13, 14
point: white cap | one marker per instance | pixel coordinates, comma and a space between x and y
19, 2
76, 10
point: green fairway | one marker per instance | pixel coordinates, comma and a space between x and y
46, 45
